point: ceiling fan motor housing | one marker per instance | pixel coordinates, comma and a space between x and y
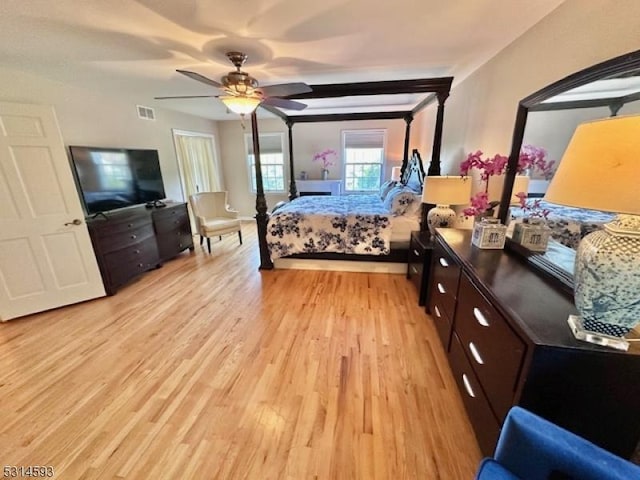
240, 83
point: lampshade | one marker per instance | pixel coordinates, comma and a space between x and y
241, 104
520, 184
446, 190
395, 174
600, 169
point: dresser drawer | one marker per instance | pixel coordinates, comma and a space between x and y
444, 286
492, 347
415, 275
170, 212
171, 245
416, 251
446, 271
441, 320
172, 223
485, 425
128, 262
121, 224
117, 241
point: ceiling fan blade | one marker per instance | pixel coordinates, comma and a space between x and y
284, 103
187, 96
200, 78
285, 89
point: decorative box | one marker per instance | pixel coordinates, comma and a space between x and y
489, 233
532, 233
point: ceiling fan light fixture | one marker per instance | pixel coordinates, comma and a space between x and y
241, 104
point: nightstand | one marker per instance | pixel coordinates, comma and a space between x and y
419, 263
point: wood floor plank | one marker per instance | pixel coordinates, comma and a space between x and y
208, 368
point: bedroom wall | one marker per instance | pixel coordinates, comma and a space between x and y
87, 117
308, 139
480, 113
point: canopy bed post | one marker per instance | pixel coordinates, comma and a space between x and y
407, 134
434, 166
293, 192
262, 217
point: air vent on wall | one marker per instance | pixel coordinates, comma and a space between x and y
146, 113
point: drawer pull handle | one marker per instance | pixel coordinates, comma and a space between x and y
441, 289
416, 253
129, 225
437, 312
134, 237
443, 262
482, 320
141, 265
413, 269
475, 353
136, 251
467, 386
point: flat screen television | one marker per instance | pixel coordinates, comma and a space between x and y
113, 178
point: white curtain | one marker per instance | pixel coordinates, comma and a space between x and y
198, 164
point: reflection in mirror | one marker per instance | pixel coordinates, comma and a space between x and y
548, 119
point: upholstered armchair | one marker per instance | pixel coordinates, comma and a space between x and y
532, 448
213, 217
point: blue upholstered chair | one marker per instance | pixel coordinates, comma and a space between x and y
531, 448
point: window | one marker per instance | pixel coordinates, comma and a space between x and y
363, 159
271, 161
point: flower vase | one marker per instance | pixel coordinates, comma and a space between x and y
324, 174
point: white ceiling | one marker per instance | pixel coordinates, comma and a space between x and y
132, 47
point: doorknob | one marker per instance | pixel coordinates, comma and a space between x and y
77, 221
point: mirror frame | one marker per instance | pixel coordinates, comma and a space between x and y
612, 67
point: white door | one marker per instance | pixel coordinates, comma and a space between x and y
46, 259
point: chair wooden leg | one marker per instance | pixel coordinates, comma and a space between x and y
220, 237
240, 236
201, 240
209, 244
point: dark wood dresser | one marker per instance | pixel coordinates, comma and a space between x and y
504, 328
130, 242
173, 230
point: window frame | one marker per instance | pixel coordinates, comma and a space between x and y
248, 144
345, 164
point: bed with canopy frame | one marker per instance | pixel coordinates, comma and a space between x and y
437, 90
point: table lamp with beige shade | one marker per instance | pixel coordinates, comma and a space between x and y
600, 170
396, 172
443, 191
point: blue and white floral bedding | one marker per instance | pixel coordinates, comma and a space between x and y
568, 224
356, 224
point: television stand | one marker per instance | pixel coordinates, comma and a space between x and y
130, 242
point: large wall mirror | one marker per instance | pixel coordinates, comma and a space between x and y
548, 119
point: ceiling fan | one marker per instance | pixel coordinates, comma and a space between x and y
241, 92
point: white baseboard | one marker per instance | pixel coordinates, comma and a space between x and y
340, 265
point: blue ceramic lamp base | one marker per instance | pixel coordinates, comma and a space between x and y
582, 332
607, 283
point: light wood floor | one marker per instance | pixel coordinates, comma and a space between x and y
209, 369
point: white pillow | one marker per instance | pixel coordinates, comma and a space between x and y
386, 188
399, 200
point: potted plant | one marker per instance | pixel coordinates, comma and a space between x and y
327, 158
531, 159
